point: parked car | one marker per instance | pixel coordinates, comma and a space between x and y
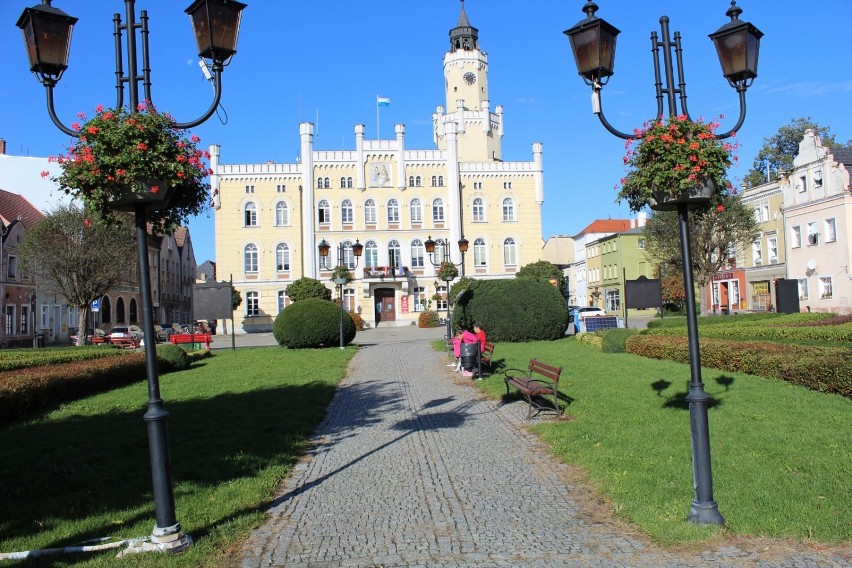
125, 332
590, 311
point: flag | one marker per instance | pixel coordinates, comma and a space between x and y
382, 101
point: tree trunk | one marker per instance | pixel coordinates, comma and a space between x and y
81, 325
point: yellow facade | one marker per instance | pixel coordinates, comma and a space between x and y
271, 217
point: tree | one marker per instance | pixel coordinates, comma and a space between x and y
543, 270
778, 151
305, 288
713, 233
236, 298
80, 257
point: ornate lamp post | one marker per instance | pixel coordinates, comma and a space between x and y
444, 259
47, 33
340, 281
593, 44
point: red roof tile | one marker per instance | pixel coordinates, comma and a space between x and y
606, 226
14, 206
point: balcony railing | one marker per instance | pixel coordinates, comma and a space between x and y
386, 272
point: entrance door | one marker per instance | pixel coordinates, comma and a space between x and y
384, 304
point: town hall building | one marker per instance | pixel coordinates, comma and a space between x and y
271, 217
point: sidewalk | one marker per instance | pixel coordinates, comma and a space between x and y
412, 466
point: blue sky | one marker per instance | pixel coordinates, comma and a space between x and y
330, 59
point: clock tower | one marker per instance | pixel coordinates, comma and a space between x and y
479, 130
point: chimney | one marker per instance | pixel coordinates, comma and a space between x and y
2, 147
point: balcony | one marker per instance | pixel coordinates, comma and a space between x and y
383, 273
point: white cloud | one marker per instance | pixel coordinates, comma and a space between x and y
812, 88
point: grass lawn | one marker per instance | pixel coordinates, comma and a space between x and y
780, 454
237, 423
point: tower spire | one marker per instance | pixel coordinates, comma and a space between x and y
464, 36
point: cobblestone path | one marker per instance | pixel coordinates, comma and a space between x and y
412, 467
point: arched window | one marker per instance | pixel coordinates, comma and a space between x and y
393, 211
416, 211
410, 181
434, 181
327, 183
346, 212
134, 317
282, 258
440, 181
438, 210
324, 212
370, 212
371, 254
320, 184
479, 257
343, 182
282, 214
251, 214
252, 304
349, 182
508, 209
439, 252
106, 310
250, 259
348, 255
417, 253
478, 210
510, 252
417, 181
283, 300
119, 310
394, 254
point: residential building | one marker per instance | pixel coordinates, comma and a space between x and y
271, 217
817, 199
579, 292
18, 292
622, 258
765, 262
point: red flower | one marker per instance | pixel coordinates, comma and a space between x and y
720, 208
155, 189
75, 126
45, 173
92, 130
87, 223
142, 147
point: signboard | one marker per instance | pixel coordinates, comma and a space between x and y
212, 300
643, 293
96, 305
403, 303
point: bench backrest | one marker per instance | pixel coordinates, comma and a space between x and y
487, 351
545, 370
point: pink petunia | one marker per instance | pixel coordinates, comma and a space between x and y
44, 173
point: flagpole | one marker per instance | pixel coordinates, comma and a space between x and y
378, 131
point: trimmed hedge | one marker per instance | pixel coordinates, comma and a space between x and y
823, 369
11, 359
172, 358
26, 391
312, 323
516, 310
615, 340
428, 318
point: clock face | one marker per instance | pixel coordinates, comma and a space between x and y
469, 78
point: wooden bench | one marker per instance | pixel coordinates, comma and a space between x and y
125, 342
193, 338
539, 381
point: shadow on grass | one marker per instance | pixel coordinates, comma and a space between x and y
678, 399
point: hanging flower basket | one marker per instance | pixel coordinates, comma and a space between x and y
341, 275
123, 160
676, 161
447, 271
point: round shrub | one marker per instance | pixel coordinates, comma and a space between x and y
172, 357
312, 323
428, 318
520, 309
357, 320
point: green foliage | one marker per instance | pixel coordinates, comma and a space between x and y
340, 272
447, 271
519, 309
11, 359
357, 321
428, 318
711, 232
236, 298
172, 357
591, 339
778, 150
312, 323
543, 270
461, 285
305, 288
822, 369
614, 340
25, 391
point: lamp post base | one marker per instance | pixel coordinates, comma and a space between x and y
171, 540
705, 514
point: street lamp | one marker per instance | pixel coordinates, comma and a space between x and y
47, 33
357, 249
443, 258
737, 43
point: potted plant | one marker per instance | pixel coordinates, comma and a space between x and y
676, 161
341, 275
123, 160
447, 271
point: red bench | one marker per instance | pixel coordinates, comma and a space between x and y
192, 338
125, 342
